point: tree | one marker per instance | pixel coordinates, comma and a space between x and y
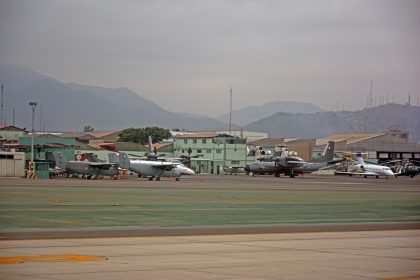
141, 135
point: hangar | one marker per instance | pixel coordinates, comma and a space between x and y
383, 146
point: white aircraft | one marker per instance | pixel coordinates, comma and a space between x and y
153, 168
367, 169
158, 169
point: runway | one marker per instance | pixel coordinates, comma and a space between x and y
391, 255
304, 250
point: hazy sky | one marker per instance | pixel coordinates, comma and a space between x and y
185, 55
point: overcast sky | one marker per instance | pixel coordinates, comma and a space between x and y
185, 55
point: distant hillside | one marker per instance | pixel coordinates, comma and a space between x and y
68, 107
251, 114
316, 125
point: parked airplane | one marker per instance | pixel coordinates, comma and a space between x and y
91, 169
158, 169
366, 169
403, 167
289, 164
280, 165
233, 170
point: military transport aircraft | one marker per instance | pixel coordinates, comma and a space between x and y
279, 165
289, 164
367, 169
91, 170
157, 169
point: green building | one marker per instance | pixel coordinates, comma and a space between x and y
45, 143
210, 152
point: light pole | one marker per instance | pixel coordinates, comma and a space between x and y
33, 106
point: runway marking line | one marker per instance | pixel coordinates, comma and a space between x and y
49, 258
409, 277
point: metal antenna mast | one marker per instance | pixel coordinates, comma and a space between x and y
371, 94
1, 122
230, 113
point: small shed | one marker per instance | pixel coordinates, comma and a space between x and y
12, 164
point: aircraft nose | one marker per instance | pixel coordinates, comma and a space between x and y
189, 171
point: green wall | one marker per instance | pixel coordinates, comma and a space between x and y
213, 152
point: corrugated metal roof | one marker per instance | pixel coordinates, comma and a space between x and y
348, 138
10, 128
267, 142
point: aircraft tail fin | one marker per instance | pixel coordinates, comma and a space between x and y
329, 151
124, 161
60, 161
150, 144
360, 158
119, 158
113, 157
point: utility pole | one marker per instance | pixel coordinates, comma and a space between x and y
33, 105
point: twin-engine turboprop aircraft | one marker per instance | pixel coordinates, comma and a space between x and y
155, 167
89, 169
289, 164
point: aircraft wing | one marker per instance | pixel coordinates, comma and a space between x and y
356, 173
101, 165
167, 166
295, 162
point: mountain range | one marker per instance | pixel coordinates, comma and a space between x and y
376, 119
71, 106
250, 114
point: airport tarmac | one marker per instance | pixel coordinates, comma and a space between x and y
390, 255
362, 251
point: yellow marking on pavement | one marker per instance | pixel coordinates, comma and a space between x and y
409, 277
49, 258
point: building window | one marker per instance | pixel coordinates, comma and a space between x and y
393, 155
218, 151
235, 161
185, 141
204, 141
208, 151
6, 156
195, 141
199, 151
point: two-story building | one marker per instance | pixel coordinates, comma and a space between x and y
210, 152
